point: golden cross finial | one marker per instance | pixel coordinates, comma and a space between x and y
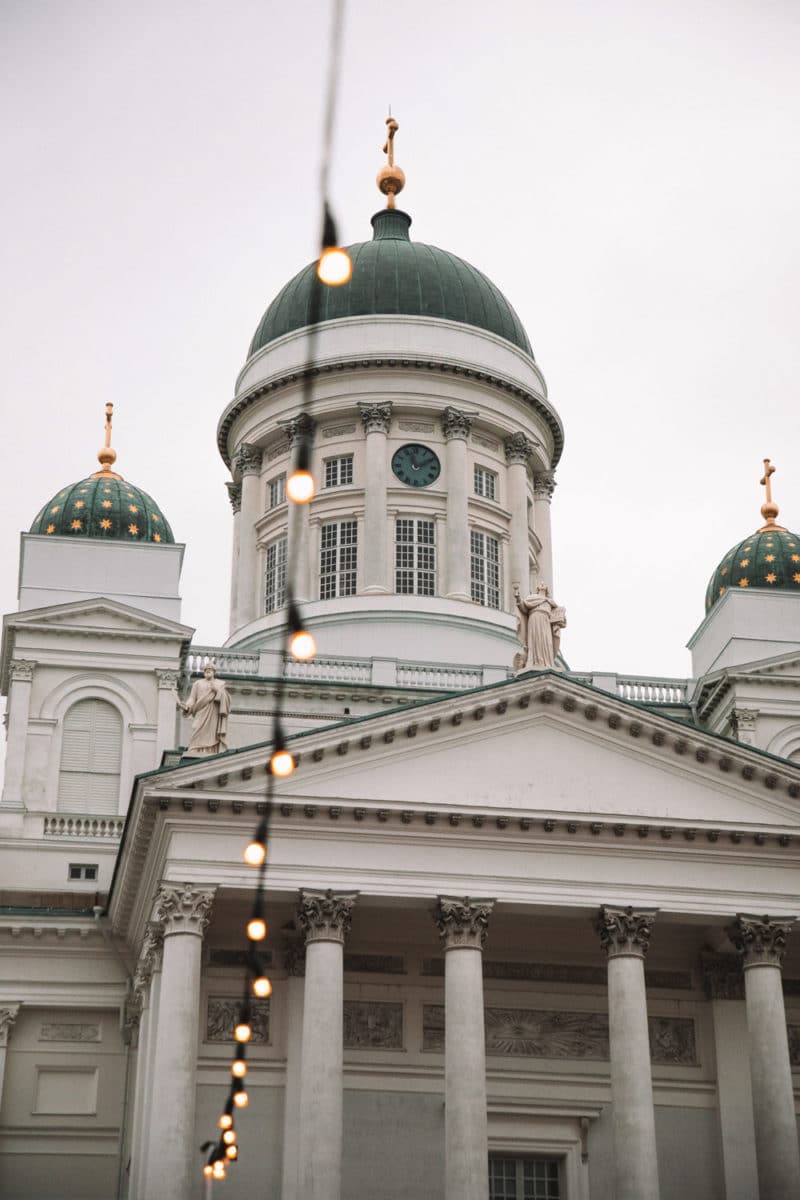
391, 178
769, 510
107, 457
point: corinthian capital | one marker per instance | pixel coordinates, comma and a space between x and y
518, 449
299, 429
8, 1015
376, 417
183, 909
234, 495
544, 484
761, 941
247, 459
455, 424
325, 916
625, 930
22, 670
462, 921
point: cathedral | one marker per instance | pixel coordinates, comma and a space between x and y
529, 929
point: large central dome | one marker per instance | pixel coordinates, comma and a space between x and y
394, 276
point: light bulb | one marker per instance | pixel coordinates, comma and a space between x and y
254, 854
208, 1170
257, 929
229, 1137
302, 645
241, 1098
300, 487
262, 987
243, 1032
334, 266
281, 764
225, 1121
232, 1152
239, 1068
218, 1170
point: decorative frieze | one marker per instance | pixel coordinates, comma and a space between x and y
463, 922
332, 431
377, 964
373, 1025
183, 909
552, 1033
293, 953
761, 941
455, 423
247, 459
69, 1031
793, 1032
518, 449
325, 916
238, 959
723, 978
544, 484
569, 973
8, 1016
486, 443
417, 426
234, 495
376, 418
625, 930
222, 1017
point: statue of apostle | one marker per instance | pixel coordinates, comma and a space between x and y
208, 705
539, 626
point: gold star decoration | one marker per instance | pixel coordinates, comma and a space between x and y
795, 577
130, 495
132, 508
105, 524
107, 491
724, 571
83, 491
134, 529
156, 537
747, 548
796, 558
745, 562
771, 578
106, 504
154, 516
769, 558
79, 504
55, 508
721, 590
744, 583
75, 525
52, 529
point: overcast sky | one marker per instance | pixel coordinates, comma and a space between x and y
626, 172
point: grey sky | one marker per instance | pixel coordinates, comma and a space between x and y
626, 172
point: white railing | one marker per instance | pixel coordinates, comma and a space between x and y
653, 690
84, 827
447, 679
229, 662
343, 670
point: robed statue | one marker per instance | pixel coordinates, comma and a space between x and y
539, 624
208, 705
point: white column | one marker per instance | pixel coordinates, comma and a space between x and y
19, 711
543, 488
235, 497
294, 960
463, 924
8, 1015
724, 986
762, 943
145, 985
376, 419
625, 937
173, 1161
299, 429
325, 917
518, 454
167, 718
456, 426
247, 462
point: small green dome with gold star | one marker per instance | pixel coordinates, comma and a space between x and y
768, 560
104, 505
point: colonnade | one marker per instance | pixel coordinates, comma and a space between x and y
168, 980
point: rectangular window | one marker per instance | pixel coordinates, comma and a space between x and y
485, 569
275, 575
338, 559
338, 471
485, 483
82, 871
414, 558
523, 1178
277, 491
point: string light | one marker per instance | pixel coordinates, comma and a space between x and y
255, 853
218, 1169
229, 1137
281, 763
240, 1096
262, 987
232, 1152
208, 1170
256, 929
239, 1066
300, 487
243, 1031
225, 1121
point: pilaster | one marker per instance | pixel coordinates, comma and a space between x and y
247, 463
19, 711
543, 487
518, 450
376, 419
456, 426
8, 1017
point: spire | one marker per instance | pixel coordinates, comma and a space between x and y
390, 179
769, 510
106, 456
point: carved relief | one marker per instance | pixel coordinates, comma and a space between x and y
247, 459
485, 442
547, 1033
234, 495
535, 972
8, 1015
373, 1025
518, 449
463, 922
417, 426
338, 431
544, 485
294, 954
325, 916
223, 1015
455, 423
723, 978
625, 930
376, 418
68, 1031
380, 964
794, 1045
761, 941
183, 909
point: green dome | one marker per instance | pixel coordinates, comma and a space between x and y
768, 559
393, 275
104, 506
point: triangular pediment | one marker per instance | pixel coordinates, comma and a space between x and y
97, 613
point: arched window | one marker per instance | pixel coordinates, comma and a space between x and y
91, 748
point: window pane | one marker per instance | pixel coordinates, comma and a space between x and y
338, 471
275, 575
484, 569
502, 1179
338, 560
415, 557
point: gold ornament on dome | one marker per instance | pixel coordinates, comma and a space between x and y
106, 456
769, 509
391, 178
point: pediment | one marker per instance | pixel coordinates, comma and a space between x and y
99, 613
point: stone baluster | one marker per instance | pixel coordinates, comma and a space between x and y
172, 1160
625, 937
463, 923
235, 497
247, 462
761, 941
518, 450
456, 426
543, 488
376, 419
325, 918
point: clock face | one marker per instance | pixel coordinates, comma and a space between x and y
415, 465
